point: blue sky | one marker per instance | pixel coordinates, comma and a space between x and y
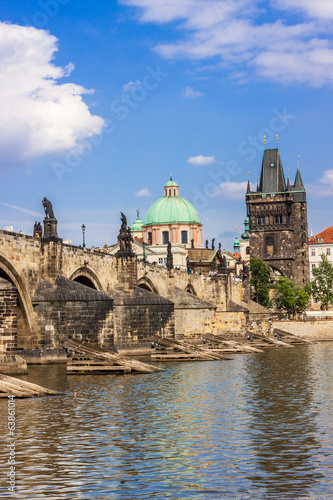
101, 100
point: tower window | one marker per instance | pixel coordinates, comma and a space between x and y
165, 237
174, 192
247, 250
150, 238
263, 220
328, 251
169, 192
270, 244
184, 237
313, 251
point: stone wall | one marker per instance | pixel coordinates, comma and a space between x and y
68, 309
8, 316
311, 330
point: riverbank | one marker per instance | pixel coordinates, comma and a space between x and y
316, 329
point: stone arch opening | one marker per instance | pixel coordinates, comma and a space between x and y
88, 278
24, 306
147, 284
84, 280
190, 289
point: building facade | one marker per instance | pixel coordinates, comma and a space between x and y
320, 244
173, 219
278, 227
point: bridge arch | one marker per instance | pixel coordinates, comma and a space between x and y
24, 306
147, 284
87, 277
190, 289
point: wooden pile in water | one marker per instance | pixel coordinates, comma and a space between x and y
176, 350
229, 345
89, 358
292, 338
11, 386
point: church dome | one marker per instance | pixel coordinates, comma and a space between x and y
172, 210
137, 225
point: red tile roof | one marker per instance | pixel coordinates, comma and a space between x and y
326, 236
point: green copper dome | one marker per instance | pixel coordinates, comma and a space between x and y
171, 183
172, 210
137, 224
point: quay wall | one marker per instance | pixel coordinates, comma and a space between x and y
311, 330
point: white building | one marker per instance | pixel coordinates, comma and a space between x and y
320, 244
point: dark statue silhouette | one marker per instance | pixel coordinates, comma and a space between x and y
48, 208
125, 237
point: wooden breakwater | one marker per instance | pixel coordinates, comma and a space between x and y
11, 386
88, 358
167, 349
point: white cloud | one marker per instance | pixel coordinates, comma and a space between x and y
22, 209
201, 160
320, 8
131, 85
234, 190
143, 192
191, 93
323, 187
233, 32
38, 115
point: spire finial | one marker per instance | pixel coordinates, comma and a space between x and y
298, 161
248, 174
137, 213
264, 137
170, 176
277, 140
288, 170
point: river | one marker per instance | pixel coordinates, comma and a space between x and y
256, 427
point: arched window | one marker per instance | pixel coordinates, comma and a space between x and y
184, 237
174, 192
169, 192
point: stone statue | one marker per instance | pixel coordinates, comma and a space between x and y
169, 263
223, 266
38, 232
206, 243
213, 244
125, 237
220, 246
48, 208
188, 267
192, 243
246, 273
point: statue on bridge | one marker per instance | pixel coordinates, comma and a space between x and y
125, 237
50, 222
169, 262
38, 232
48, 208
206, 243
213, 244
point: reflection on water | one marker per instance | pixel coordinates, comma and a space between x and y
258, 426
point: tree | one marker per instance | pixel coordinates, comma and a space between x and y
321, 287
290, 298
260, 276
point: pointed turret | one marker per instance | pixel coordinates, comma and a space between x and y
248, 190
298, 185
272, 178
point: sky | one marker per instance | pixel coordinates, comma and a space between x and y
100, 101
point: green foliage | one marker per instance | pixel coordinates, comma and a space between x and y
290, 298
260, 276
321, 287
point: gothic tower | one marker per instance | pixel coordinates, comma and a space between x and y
278, 220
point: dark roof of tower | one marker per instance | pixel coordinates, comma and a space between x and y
272, 178
298, 185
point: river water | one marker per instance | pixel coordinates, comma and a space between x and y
256, 427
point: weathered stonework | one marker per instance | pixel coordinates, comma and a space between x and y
278, 221
115, 301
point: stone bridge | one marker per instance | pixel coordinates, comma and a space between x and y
67, 290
